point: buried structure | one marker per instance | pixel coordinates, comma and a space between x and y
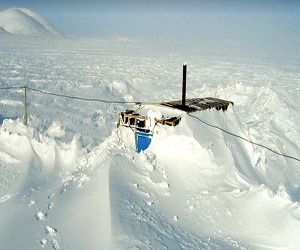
143, 126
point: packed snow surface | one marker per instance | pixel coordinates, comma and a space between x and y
22, 21
71, 179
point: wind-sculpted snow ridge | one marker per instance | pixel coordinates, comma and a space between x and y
195, 187
52, 191
209, 185
21, 21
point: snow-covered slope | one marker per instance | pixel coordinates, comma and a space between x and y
72, 180
23, 21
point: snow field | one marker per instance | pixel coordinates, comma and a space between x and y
72, 180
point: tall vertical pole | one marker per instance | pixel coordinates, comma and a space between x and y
184, 85
25, 107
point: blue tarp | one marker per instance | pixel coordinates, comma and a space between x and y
142, 140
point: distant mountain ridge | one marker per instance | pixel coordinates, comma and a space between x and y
22, 21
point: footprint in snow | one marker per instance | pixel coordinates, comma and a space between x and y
5, 198
51, 237
41, 216
31, 203
44, 243
63, 190
51, 231
55, 244
50, 205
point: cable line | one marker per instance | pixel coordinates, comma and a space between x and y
13, 87
77, 97
242, 138
71, 97
80, 98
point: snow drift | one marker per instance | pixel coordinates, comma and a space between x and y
72, 180
194, 188
21, 21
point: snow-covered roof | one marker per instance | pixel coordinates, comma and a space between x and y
198, 104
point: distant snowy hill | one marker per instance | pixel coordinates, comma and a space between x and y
23, 21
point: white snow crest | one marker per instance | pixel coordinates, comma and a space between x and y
48, 153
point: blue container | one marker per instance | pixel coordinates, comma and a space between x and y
142, 140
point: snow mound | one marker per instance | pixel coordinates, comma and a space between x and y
21, 21
197, 173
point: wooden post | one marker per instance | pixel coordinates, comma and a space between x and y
184, 85
25, 107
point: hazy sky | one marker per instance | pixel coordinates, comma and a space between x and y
267, 27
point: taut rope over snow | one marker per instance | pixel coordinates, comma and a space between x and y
245, 139
71, 97
79, 98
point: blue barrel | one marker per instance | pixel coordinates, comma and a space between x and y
142, 140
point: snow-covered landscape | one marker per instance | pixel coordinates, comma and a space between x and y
72, 179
